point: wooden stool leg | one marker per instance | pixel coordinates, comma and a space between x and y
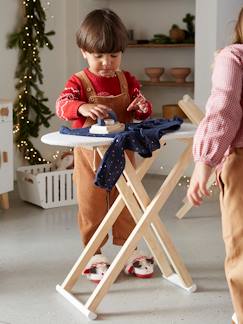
4, 200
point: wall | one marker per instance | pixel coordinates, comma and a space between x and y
213, 35
8, 8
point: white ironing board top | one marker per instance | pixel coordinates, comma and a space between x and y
186, 130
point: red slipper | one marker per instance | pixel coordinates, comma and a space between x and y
140, 265
96, 268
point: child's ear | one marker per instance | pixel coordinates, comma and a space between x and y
83, 53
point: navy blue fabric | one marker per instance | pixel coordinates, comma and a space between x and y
142, 138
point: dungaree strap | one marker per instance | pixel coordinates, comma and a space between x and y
123, 83
88, 87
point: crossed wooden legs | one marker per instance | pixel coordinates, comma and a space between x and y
145, 213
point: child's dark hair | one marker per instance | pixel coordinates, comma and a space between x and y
102, 31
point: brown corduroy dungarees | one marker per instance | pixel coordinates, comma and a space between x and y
231, 203
92, 200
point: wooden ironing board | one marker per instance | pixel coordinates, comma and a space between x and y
145, 213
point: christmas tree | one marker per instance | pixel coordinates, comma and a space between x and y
30, 109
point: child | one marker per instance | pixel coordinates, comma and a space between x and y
219, 138
91, 94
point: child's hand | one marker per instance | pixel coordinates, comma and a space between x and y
94, 111
198, 183
139, 103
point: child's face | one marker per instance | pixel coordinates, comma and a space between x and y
103, 64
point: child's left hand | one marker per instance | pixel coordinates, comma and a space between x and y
139, 103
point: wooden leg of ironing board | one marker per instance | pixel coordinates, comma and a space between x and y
159, 228
141, 229
138, 232
184, 209
93, 244
104, 227
4, 200
136, 212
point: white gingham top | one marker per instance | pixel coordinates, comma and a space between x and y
222, 127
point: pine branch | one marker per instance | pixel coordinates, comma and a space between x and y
30, 112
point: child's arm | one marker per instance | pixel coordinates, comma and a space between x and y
223, 117
72, 103
218, 129
141, 106
70, 99
198, 183
94, 111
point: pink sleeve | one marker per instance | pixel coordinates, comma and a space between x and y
134, 91
219, 127
70, 99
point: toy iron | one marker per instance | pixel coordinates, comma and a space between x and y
107, 126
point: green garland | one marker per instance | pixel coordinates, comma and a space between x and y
30, 111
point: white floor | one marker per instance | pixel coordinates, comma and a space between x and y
38, 248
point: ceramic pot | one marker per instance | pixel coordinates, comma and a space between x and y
180, 73
154, 73
176, 34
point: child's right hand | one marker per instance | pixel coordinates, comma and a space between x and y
198, 183
94, 111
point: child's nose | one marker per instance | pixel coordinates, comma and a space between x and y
106, 62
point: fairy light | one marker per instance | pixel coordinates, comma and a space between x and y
33, 39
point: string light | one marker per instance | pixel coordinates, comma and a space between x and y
184, 184
26, 83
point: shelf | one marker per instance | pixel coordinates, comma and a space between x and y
151, 45
168, 84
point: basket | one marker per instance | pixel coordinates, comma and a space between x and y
170, 111
43, 186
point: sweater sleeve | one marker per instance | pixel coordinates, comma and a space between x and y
219, 127
70, 99
134, 91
